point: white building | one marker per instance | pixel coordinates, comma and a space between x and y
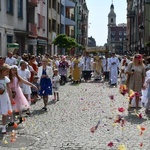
12, 24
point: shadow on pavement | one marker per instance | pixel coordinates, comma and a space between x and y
134, 119
52, 102
38, 112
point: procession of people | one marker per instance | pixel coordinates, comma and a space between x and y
25, 79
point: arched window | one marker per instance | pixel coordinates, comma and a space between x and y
111, 19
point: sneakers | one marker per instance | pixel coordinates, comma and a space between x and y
4, 130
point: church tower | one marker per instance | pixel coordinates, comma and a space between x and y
112, 16
111, 23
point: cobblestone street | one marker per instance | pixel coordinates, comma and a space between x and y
67, 123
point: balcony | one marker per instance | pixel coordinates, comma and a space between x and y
69, 3
33, 2
70, 21
33, 29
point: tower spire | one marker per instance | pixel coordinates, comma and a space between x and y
112, 1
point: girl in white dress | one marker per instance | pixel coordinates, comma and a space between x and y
5, 96
56, 84
25, 74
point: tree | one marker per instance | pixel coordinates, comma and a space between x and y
64, 41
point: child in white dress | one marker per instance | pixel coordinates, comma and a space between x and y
123, 76
5, 96
146, 93
56, 84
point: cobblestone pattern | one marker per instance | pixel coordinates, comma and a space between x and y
67, 123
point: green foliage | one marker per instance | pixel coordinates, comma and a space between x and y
147, 44
64, 41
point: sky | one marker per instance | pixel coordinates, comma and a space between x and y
98, 17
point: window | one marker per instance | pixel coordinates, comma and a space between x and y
50, 4
58, 8
20, 8
125, 33
38, 20
120, 39
58, 30
49, 25
120, 32
0, 4
54, 25
111, 20
113, 39
113, 33
43, 23
54, 4
9, 38
9, 6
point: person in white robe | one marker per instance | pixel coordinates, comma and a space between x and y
113, 66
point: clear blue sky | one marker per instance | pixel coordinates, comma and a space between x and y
98, 17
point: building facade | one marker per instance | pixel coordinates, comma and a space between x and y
116, 41
53, 24
138, 26
37, 26
34, 24
13, 24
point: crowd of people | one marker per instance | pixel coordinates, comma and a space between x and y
24, 79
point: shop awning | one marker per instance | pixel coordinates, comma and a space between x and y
13, 45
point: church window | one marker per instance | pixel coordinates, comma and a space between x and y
111, 19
